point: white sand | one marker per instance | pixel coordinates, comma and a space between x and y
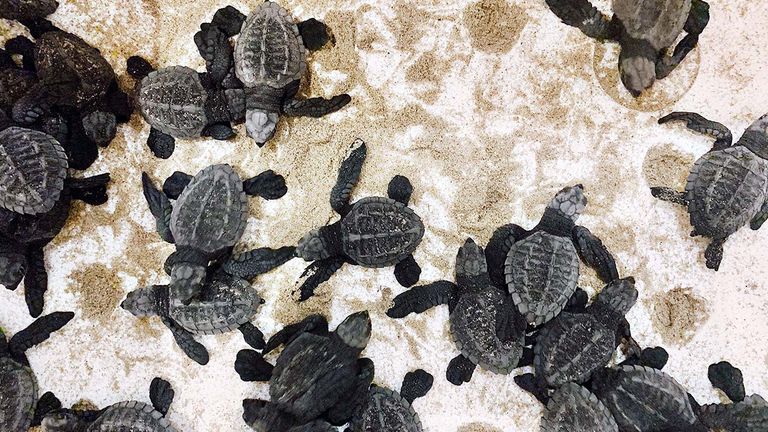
487, 137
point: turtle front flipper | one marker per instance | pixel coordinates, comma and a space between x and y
400, 189
697, 123
252, 263
407, 271
315, 324
161, 144
349, 175
138, 67
229, 20
584, 16
423, 298
91, 190
315, 34
213, 46
342, 412
760, 217
35, 281
416, 384
251, 366
655, 357
595, 254
37, 332
510, 324
496, 252
160, 207
317, 273
714, 253
698, 18
161, 394
670, 195
315, 107
533, 385
724, 376
186, 341
252, 335
48, 402
460, 370
268, 185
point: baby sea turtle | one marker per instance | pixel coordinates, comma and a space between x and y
645, 30
318, 372
226, 303
373, 232
727, 187
573, 408
263, 416
207, 220
270, 60
23, 236
122, 416
388, 410
484, 323
540, 268
744, 414
19, 405
27, 9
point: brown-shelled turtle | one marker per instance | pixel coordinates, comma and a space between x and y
485, 325
19, 404
122, 416
373, 232
540, 267
32, 183
645, 30
743, 414
574, 408
207, 220
226, 303
727, 187
27, 9
317, 374
387, 410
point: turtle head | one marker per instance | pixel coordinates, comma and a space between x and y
569, 202
13, 267
62, 420
470, 262
312, 247
619, 295
355, 330
260, 125
142, 302
637, 67
756, 137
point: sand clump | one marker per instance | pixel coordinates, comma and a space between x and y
677, 315
99, 291
494, 25
667, 166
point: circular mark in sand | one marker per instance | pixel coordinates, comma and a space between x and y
677, 315
664, 92
494, 25
667, 166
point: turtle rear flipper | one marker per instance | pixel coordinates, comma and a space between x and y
161, 394
138, 67
407, 271
315, 324
416, 384
760, 217
584, 16
317, 273
186, 341
250, 264
268, 185
714, 253
37, 332
48, 402
698, 18
91, 190
348, 176
460, 370
697, 123
727, 378
251, 366
422, 298
35, 281
342, 412
175, 184
252, 335
159, 206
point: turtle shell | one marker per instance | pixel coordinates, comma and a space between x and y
641, 396
574, 408
541, 273
658, 22
473, 329
749, 415
310, 376
571, 347
62, 57
33, 166
131, 416
14, 83
211, 212
725, 190
18, 395
26, 9
380, 232
386, 410
269, 51
224, 305
172, 100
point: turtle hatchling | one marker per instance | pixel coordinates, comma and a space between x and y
485, 325
122, 416
27, 9
263, 416
35, 196
743, 414
318, 373
226, 303
19, 405
573, 408
540, 268
727, 187
373, 232
645, 30
207, 220
387, 410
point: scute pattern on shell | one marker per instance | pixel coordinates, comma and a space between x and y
386, 410
573, 408
571, 347
225, 306
659, 22
725, 190
210, 214
380, 232
270, 50
18, 395
473, 329
541, 273
131, 416
172, 100
33, 166
750, 415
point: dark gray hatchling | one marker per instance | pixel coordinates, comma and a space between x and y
484, 323
727, 187
317, 374
26, 9
540, 267
263, 416
645, 30
19, 405
207, 220
574, 408
122, 416
373, 232
743, 414
387, 410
